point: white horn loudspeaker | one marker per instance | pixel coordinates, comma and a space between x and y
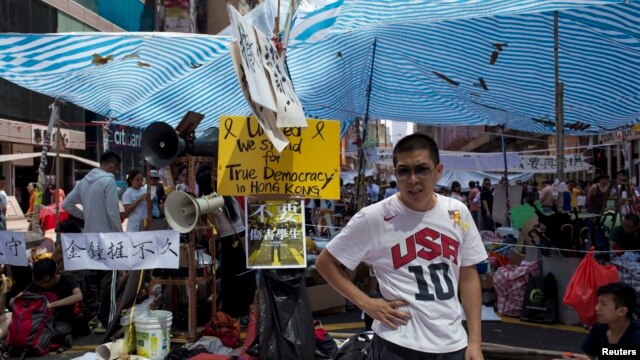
183, 210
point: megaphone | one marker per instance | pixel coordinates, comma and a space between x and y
182, 210
161, 144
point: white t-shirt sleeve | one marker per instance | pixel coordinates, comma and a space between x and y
472, 250
127, 197
353, 244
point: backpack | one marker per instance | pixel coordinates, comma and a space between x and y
356, 347
31, 328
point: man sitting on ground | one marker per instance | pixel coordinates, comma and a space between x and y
615, 328
46, 278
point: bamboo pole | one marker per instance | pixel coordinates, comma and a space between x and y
42, 178
360, 195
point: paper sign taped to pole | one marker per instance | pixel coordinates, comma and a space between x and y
248, 163
258, 84
121, 251
265, 117
290, 113
275, 234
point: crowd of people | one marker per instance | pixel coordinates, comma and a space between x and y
408, 228
94, 208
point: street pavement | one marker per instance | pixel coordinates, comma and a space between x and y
509, 332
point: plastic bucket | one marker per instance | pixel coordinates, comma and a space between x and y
153, 334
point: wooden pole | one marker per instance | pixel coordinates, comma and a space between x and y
506, 178
559, 89
58, 175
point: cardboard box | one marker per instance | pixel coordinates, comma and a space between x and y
314, 276
567, 315
322, 297
562, 268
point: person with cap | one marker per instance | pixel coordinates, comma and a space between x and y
157, 193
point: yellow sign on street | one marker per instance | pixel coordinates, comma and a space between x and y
248, 164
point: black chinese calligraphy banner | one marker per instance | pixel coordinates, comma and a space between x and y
13, 249
547, 164
275, 236
121, 251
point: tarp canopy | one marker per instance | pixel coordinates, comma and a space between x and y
431, 65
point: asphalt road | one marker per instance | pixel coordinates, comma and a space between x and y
518, 334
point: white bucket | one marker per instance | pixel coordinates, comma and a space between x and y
153, 334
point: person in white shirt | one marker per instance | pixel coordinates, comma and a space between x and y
423, 247
134, 201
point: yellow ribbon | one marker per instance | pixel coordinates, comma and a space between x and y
457, 219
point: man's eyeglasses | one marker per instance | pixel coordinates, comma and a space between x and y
421, 172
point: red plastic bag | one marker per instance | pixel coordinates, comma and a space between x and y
582, 291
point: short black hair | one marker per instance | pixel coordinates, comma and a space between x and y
2, 177
132, 175
472, 184
43, 268
415, 142
623, 296
109, 157
455, 183
203, 179
393, 184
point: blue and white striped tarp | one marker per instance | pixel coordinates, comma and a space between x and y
419, 44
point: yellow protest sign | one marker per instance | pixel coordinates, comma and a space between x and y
248, 164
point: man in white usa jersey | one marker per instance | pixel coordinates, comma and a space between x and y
423, 247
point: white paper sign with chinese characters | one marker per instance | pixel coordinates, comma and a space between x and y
13, 249
547, 164
264, 80
121, 251
290, 113
259, 86
266, 117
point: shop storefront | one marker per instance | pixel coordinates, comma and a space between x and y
125, 141
21, 146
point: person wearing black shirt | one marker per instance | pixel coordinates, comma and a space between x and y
47, 278
486, 205
627, 235
615, 327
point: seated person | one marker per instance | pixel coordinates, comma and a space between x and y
5, 317
46, 278
615, 327
627, 235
